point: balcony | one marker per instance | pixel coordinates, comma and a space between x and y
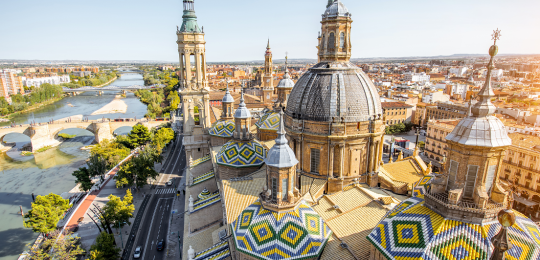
464, 210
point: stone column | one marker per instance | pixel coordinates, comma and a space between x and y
188, 67
371, 155
331, 163
341, 157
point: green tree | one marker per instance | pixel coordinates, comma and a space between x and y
104, 248
162, 137
113, 152
66, 247
137, 171
45, 213
138, 136
82, 176
97, 165
117, 211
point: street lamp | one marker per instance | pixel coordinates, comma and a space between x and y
120, 226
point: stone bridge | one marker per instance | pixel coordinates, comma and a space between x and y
47, 134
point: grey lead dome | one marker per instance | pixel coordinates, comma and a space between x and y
338, 90
336, 9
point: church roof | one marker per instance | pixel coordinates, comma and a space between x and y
334, 89
403, 172
242, 111
222, 128
336, 9
265, 234
241, 154
269, 121
413, 231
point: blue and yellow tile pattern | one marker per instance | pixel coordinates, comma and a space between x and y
216, 252
241, 154
422, 186
265, 234
222, 128
269, 121
413, 231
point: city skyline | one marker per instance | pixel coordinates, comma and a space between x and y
238, 31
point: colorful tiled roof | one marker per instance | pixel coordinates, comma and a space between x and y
269, 121
200, 161
238, 195
406, 171
222, 128
211, 200
422, 186
413, 231
241, 154
207, 176
204, 194
264, 234
216, 252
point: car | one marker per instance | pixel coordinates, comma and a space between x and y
76, 228
80, 219
137, 253
169, 183
160, 245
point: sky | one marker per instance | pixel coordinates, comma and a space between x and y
238, 30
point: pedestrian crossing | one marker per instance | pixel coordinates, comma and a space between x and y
166, 191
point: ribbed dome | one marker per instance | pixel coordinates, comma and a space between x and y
286, 82
336, 9
334, 90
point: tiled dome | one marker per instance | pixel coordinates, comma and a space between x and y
269, 121
223, 128
241, 154
334, 90
264, 234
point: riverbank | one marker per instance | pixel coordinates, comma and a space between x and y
115, 106
7, 118
107, 83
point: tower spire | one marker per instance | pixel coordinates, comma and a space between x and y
189, 19
268, 45
484, 107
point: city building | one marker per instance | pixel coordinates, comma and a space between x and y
416, 77
10, 83
396, 112
459, 71
52, 79
435, 96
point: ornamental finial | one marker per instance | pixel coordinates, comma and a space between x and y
496, 35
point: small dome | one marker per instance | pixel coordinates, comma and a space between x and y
334, 90
480, 131
286, 82
222, 128
264, 234
204, 194
269, 121
228, 98
242, 111
241, 154
281, 155
336, 9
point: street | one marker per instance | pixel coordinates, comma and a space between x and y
157, 216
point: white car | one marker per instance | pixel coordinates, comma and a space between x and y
169, 183
137, 253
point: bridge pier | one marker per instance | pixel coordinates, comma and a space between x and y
102, 131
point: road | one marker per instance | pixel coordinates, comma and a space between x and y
155, 224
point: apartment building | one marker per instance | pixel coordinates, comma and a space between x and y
416, 77
396, 112
37, 81
10, 83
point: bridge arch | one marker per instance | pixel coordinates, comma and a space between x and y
5, 145
58, 130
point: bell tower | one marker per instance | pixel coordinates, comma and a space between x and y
268, 77
193, 81
335, 40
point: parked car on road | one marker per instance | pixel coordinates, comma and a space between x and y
169, 183
137, 253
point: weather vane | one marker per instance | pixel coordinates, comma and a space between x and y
496, 35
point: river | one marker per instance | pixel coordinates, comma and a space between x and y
50, 171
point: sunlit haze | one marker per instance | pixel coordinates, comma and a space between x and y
238, 30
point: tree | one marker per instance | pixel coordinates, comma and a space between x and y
104, 248
97, 165
45, 213
138, 136
162, 137
113, 152
83, 177
65, 247
137, 171
118, 211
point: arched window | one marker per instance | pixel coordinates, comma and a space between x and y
331, 43
323, 43
315, 156
342, 41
